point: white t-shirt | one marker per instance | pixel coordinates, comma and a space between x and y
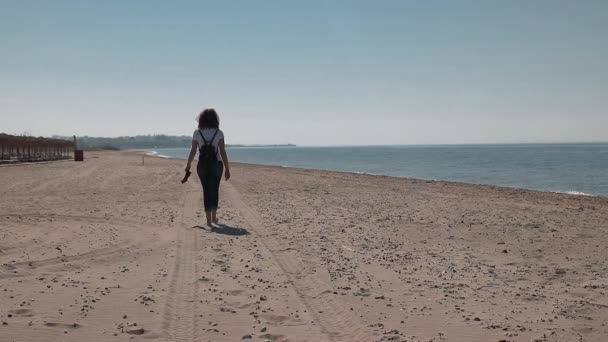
208, 134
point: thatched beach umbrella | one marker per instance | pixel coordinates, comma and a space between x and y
24, 148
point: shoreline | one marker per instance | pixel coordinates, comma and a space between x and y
153, 153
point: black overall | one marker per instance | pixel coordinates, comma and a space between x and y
209, 170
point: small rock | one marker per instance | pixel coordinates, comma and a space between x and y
247, 337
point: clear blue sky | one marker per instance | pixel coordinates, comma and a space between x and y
309, 72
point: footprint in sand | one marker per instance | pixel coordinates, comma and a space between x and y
278, 319
22, 312
274, 338
62, 325
234, 292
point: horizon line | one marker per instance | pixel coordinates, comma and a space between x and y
341, 145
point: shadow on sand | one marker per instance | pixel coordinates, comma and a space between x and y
225, 230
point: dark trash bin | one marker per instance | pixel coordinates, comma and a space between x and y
78, 155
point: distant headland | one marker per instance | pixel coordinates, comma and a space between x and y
151, 141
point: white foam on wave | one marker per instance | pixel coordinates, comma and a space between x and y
577, 193
365, 173
155, 154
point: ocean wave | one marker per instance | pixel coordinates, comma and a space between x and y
572, 192
366, 173
156, 154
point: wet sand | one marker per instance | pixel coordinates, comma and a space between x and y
112, 250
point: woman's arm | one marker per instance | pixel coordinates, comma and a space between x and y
192, 155
225, 158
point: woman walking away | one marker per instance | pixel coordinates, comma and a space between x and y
209, 140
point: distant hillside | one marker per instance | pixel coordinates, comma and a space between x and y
139, 142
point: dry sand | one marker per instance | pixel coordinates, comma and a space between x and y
110, 250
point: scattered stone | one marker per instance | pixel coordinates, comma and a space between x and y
247, 337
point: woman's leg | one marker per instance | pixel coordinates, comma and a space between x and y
216, 191
214, 216
208, 214
203, 173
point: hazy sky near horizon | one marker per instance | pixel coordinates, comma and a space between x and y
309, 72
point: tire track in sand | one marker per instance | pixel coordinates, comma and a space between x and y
180, 316
64, 262
337, 322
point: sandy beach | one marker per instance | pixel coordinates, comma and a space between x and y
112, 250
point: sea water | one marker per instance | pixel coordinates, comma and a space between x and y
569, 168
